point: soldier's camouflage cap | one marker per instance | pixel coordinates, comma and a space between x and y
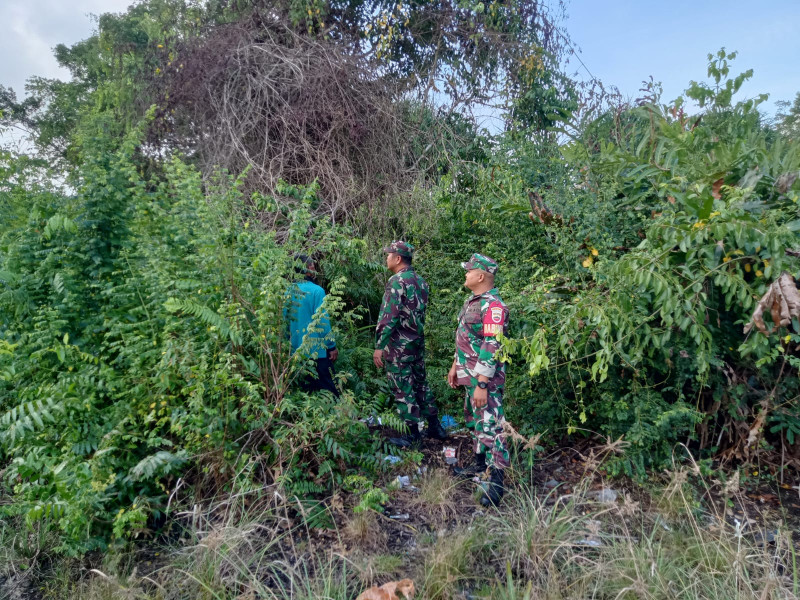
479, 261
400, 247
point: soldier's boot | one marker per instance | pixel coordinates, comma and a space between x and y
494, 488
435, 429
477, 467
412, 439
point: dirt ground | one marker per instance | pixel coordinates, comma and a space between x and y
762, 501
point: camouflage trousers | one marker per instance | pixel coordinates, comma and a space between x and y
409, 385
487, 426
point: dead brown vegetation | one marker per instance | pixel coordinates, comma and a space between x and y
256, 95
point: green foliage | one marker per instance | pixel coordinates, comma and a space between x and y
676, 230
142, 339
370, 497
719, 95
788, 118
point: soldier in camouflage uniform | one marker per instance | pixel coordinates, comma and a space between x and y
400, 345
475, 366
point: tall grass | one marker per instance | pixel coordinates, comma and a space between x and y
538, 546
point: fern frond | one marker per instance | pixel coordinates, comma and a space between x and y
53, 509
393, 420
162, 461
28, 416
205, 314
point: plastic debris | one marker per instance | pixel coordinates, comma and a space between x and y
403, 481
392, 459
603, 495
660, 521
766, 537
448, 422
403, 517
450, 455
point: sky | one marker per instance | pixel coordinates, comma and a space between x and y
32, 28
622, 42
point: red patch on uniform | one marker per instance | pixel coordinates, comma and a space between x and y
493, 319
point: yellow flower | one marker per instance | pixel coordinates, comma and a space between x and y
748, 268
726, 259
594, 252
759, 274
588, 262
161, 45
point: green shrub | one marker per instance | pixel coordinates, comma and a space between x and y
143, 341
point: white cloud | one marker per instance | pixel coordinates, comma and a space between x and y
34, 27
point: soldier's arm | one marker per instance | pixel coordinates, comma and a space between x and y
389, 317
493, 322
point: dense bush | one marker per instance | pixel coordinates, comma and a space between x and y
674, 227
143, 341
142, 337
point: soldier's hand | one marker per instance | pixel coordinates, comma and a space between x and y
333, 354
452, 378
480, 398
377, 358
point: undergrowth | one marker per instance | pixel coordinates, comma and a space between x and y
539, 545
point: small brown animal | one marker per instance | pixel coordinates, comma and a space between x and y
394, 590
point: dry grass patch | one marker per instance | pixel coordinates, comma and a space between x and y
374, 569
452, 561
363, 530
538, 538
435, 497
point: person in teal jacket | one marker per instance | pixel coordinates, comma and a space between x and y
306, 298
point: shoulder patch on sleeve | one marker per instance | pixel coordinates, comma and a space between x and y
494, 319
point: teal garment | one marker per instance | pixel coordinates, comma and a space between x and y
305, 299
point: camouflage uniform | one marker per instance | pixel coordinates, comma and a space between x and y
480, 319
400, 334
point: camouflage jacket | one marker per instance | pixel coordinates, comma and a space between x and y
401, 323
480, 319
